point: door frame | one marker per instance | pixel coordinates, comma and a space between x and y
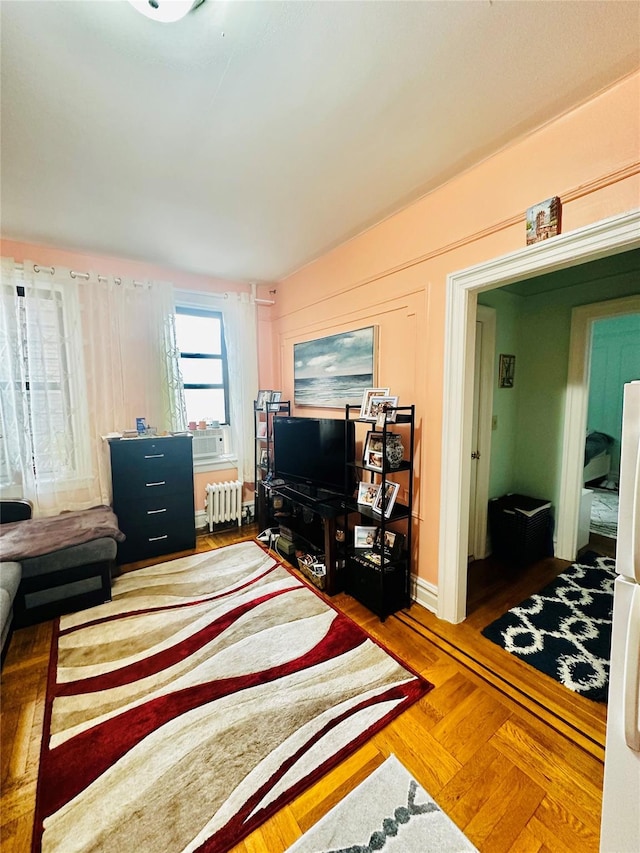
608, 237
576, 409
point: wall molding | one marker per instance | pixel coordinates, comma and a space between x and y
603, 181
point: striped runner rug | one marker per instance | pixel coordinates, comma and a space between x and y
206, 695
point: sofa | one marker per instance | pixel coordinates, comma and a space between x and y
10, 570
55, 565
10, 576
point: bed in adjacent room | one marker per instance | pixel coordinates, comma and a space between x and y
597, 456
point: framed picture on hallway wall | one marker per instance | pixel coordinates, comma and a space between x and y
506, 370
332, 371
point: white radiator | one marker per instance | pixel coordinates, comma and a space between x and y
224, 503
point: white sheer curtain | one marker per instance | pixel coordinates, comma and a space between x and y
79, 359
240, 322
132, 361
43, 411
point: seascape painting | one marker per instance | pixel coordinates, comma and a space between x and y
332, 371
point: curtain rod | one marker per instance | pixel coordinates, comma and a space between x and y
86, 276
74, 274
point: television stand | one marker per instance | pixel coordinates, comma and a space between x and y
308, 495
313, 522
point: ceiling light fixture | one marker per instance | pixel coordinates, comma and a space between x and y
166, 11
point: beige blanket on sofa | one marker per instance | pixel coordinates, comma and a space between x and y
20, 540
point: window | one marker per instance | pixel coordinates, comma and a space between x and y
39, 400
203, 362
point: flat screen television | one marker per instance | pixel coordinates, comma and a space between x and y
312, 451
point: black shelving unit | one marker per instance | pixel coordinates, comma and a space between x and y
379, 575
263, 418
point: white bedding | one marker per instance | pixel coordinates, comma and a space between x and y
598, 467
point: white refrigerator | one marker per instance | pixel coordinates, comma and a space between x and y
620, 829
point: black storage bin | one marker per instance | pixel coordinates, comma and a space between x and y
521, 528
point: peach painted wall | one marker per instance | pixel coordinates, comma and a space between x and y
394, 274
104, 265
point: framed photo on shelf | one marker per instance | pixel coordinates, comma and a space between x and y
382, 406
364, 537
262, 399
372, 458
392, 543
367, 493
274, 401
366, 398
264, 458
262, 429
386, 499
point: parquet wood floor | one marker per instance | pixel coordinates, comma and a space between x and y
510, 779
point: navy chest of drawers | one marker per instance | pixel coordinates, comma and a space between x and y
153, 495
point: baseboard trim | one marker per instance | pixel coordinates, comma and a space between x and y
425, 593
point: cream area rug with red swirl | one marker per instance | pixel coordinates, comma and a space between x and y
206, 695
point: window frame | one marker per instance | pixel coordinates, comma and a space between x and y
210, 313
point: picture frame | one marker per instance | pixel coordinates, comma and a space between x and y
367, 493
393, 542
506, 371
334, 370
386, 499
366, 398
372, 458
364, 537
264, 458
378, 406
274, 401
543, 220
262, 399
262, 429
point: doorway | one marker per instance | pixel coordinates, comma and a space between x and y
611, 236
577, 403
604, 354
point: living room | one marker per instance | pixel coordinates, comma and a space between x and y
390, 272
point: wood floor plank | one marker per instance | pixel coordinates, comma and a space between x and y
15, 836
552, 842
463, 795
540, 756
490, 806
527, 842
562, 824
437, 765
470, 724
524, 798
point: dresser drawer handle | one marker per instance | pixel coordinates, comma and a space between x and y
154, 511
158, 538
154, 456
159, 483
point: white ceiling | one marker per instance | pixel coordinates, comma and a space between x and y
251, 137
